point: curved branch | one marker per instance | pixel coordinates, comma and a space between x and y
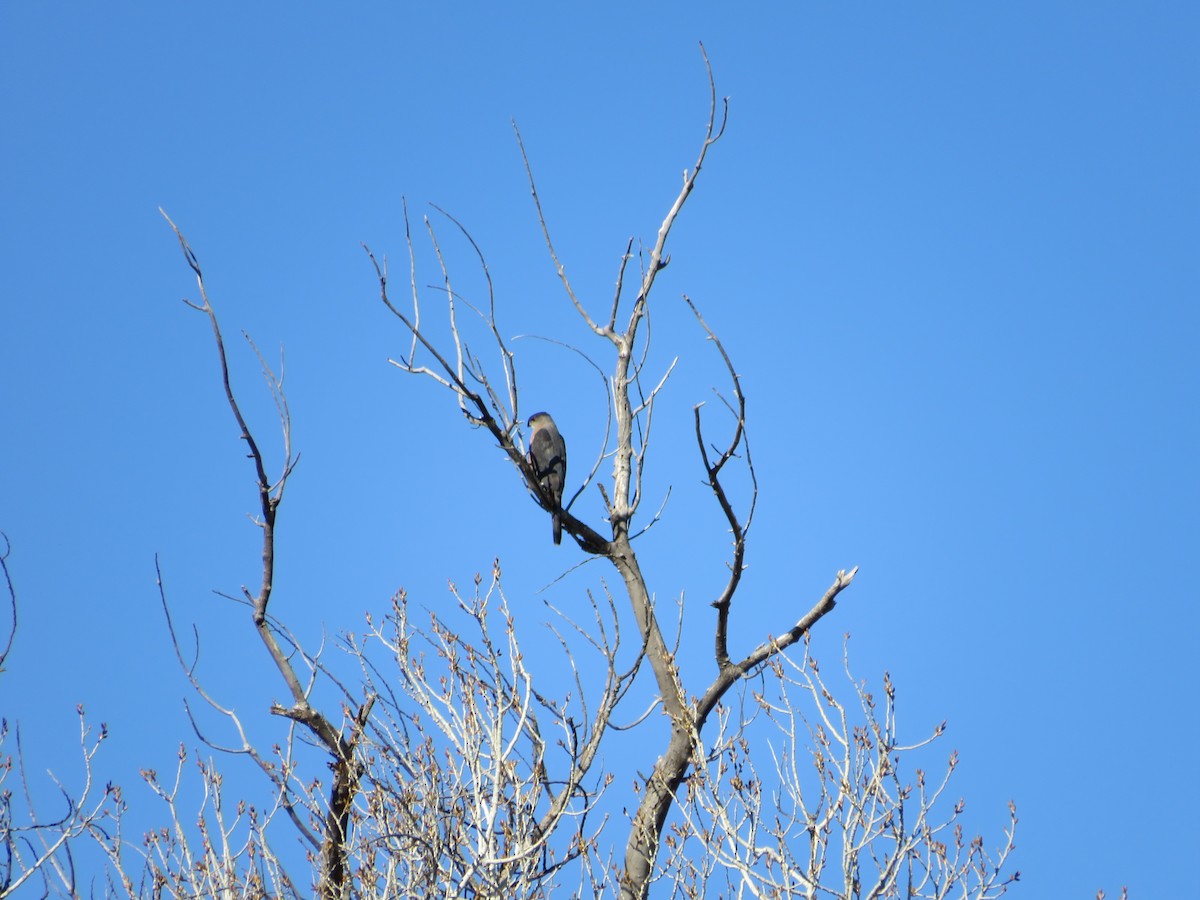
506, 356
12, 599
712, 470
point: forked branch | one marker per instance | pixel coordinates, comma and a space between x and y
658, 258
499, 420
712, 470
340, 746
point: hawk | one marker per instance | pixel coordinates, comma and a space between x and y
548, 456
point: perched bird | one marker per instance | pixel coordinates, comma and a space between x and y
548, 456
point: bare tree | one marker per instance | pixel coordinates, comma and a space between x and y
633, 400
453, 772
338, 740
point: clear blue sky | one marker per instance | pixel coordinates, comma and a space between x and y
951, 247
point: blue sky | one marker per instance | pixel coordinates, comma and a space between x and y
950, 247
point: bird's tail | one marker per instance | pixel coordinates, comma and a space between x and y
557, 528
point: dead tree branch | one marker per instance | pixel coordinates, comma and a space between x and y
632, 407
337, 742
501, 422
11, 590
